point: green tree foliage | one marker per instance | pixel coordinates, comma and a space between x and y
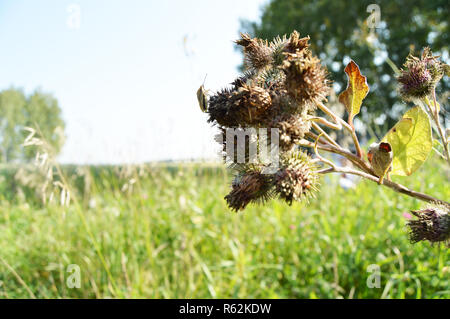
17, 111
338, 30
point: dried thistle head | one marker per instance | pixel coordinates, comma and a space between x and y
291, 130
249, 186
419, 76
257, 52
296, 44
241, 106
306, 78
297, 178
432, 224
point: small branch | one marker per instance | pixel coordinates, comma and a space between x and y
327, 123
441, 131
339, 123
324, 160
314, 137
359, 162
322, 132
356, 142
395, 186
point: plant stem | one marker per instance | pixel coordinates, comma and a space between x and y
359, 162
367, 172
339, 123
440, 130
322, 132
395, 186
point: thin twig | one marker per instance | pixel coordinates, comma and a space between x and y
322, 132
339, 123
322, 159
395, 186
359, 162
438, 124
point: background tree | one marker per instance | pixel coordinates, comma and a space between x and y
39, 111
339, 32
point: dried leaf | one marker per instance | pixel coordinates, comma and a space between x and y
355, 92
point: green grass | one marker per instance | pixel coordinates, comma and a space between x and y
171, 236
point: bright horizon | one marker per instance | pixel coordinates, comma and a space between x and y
125, 76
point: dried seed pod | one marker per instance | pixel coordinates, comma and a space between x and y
291, 130
306, 78
258, 53
297, 178
241, 106
247, 187
296, 44
433, 224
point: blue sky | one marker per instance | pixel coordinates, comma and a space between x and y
126, 75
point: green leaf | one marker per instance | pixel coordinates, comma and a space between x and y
355, 92
411, 141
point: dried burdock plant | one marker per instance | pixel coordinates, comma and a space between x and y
283, 86
419, 76
432, 224
297, 177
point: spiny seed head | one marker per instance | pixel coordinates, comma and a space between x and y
296, 44
306, 78
297, 178
278, 46
432, 224
242, 106
257, 52
419, 76
291, 130
415, 81
247, 187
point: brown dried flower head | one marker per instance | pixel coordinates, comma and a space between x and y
247, 187
432, 224
257, 52
297, 178
296, 44
240, 106
306, 78
291, 130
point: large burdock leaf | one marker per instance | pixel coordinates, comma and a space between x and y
355, 92
411, 141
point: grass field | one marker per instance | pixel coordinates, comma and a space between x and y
167, 233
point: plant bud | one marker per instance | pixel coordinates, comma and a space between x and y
380, 156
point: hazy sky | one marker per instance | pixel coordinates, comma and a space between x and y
124, 72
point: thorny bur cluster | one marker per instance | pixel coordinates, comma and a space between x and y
282, 83
420, 75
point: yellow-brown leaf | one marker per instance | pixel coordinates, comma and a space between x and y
355, 92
